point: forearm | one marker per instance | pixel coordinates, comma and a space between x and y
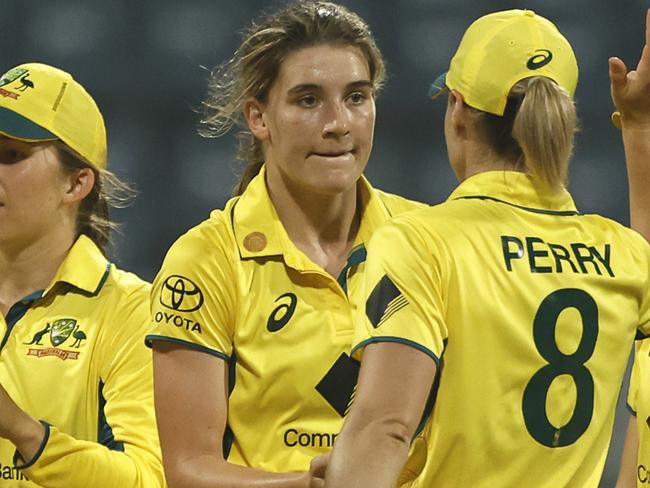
370, 455
627, 476
210, 471
637, 154
62, 461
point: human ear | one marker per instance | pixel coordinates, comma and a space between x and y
254, 115
80, 183
458, 112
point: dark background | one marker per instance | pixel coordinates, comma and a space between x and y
145, 63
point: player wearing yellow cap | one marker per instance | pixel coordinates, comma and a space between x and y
630, 92
504, 307
251, 306
76, 406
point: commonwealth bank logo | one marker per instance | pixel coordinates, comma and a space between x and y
60, 331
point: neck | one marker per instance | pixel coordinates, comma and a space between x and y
322, 226
26, 268
480, 158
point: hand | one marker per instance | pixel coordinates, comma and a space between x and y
18, 427
631, 89
317, 469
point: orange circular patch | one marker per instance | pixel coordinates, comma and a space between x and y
255, 242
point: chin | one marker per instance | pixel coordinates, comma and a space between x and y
336, 182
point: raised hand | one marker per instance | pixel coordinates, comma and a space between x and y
631, 89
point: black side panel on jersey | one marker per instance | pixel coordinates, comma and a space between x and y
104, 431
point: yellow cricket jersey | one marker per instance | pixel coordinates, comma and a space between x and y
529, 309
639, 401
72, 356
238, 288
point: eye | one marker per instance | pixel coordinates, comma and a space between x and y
10, 155
308, 101
357, 98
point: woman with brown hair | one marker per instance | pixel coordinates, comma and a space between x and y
252, 304
76, 397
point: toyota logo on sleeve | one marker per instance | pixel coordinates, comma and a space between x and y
181, 294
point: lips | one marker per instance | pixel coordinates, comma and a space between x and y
333, 154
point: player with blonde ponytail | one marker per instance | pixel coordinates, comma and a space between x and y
494, 329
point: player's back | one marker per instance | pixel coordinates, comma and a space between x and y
537, 310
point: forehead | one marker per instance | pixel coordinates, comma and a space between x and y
325, 64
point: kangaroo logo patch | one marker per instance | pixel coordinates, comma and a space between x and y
60, 331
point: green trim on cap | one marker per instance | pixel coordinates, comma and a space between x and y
16, 126
438, 87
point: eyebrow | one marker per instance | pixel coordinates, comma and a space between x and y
313, 86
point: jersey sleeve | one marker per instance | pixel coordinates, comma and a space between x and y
127, 451
193, 295
401, 299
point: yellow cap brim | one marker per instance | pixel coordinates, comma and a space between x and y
438, 87
616, 119
16, 126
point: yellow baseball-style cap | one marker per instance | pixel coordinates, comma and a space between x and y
42, 103
502, 48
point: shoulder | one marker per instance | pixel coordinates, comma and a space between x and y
212, 237
396, 204
626, 236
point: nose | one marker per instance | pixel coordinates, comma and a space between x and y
337, 120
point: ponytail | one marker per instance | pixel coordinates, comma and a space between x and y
536, 130
544, 128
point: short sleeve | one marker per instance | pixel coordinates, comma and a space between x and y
401, 299
194, 293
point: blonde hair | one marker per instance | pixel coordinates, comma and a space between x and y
252, 70
108, 192
537, 130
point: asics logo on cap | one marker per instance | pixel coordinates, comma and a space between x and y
542, 59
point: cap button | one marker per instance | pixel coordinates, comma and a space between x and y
255, 242
529, 13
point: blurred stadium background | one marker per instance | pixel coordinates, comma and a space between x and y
146, 61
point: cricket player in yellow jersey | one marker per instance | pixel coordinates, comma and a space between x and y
251, 306
630, 95
76, 396
496, 326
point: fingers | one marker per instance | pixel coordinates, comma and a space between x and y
318, 466
317, 483
617, 74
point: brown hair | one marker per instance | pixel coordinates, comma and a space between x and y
256, 64
108, 192
536, 130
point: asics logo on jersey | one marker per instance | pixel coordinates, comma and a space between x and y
539, 60
281, 314
181, 294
